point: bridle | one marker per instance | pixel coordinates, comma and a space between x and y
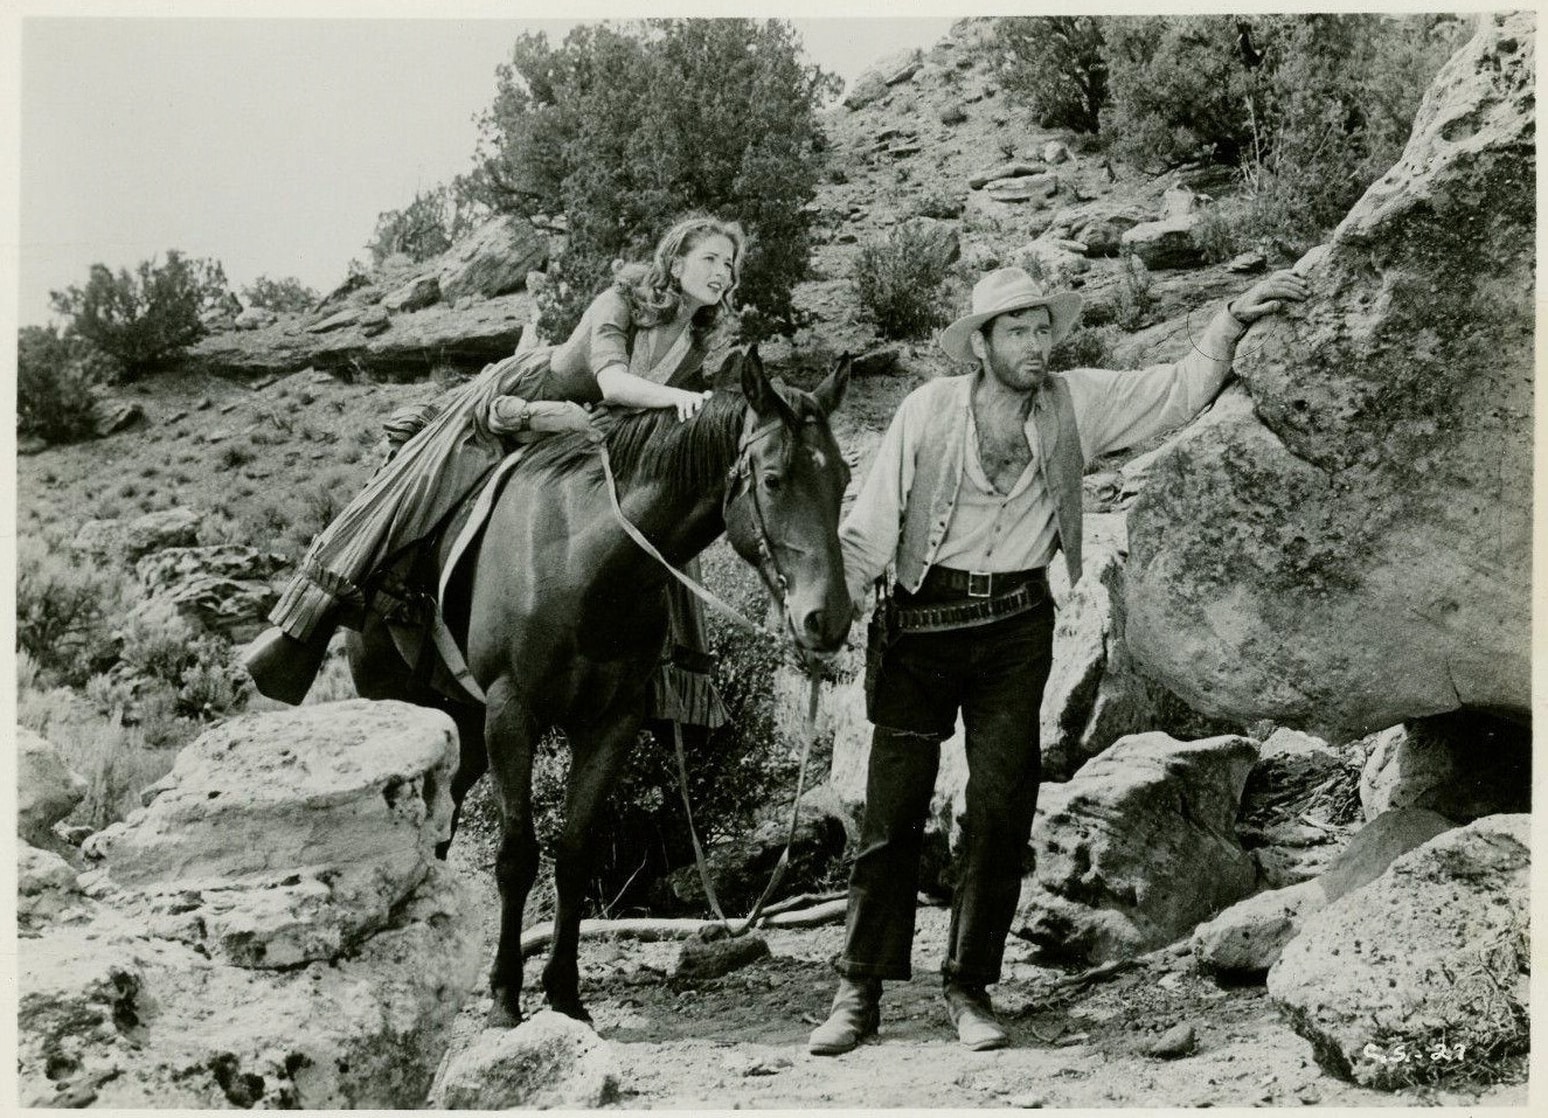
738, 486
741, 486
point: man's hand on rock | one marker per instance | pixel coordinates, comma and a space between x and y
1268, 296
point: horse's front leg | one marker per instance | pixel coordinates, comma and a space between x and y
598, 751
509, 738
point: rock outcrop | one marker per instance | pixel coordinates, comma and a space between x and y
1248, 938
465, 336
493, 260
1137, 848
272, 929
130, 540
1345, 542
1423, 971
223, 589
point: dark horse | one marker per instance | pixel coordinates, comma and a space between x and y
568, 617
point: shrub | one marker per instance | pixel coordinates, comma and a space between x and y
1087, 347
1335, 117
1178, 86
159, 647
283, 296
64, 612
55, 382
144, 317
1056, 66
1310, 108
624, 128
1133, 300
233, 456
900, 281
427, 226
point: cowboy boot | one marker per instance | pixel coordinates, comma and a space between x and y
972, 1014
856, 1014
282, 667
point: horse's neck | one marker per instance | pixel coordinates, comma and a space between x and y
680, 522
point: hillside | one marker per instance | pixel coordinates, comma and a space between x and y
263, 434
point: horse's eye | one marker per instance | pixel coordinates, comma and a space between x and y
772, 482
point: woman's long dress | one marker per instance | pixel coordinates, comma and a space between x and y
433, 471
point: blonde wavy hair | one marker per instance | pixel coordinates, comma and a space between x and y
654, 295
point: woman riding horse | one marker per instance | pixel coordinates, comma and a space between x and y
640, 344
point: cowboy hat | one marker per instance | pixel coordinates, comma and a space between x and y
1003, 291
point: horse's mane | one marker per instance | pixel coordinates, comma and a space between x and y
651, 445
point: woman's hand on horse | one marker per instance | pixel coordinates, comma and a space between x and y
553, 416
689, 403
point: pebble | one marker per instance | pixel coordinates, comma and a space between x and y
1177, 1041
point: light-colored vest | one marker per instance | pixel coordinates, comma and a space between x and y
932, 498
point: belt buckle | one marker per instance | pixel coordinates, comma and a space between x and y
980, 584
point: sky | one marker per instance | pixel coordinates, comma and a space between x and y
271, 145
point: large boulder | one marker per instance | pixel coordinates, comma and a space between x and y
1028, 188
1137, 848
1095, 693
272, 930
892, 70
493, 260
1098, 225
262, 850
128, 541
46, 788
47, 888
1425, 967
110, 1015
1463, 765
1345, 542
1171, 242
416, 294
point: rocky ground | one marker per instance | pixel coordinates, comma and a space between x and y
740, 1041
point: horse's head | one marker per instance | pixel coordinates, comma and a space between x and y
782, 507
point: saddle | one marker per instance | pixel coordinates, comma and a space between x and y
422, 594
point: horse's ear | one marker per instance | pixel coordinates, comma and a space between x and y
729, 372
762, 396
830, 393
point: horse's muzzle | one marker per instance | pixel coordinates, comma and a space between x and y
820, 629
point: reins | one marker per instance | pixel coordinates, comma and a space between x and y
740, 471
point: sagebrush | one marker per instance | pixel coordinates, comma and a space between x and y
56, 382
900, 281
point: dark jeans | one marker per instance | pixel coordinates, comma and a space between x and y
995, 675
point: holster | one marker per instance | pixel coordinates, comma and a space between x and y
880, 634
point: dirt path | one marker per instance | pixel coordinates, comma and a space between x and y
740, 1041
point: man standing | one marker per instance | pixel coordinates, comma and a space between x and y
975, 485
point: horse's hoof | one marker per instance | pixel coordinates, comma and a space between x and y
572, 1009
501, 1017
